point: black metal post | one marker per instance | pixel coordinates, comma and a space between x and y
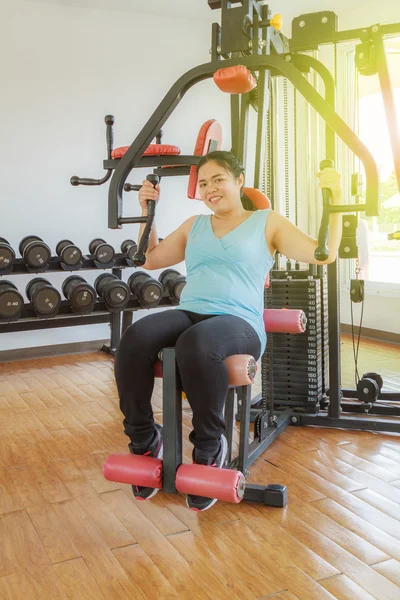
229, 409
172, 420
244, 392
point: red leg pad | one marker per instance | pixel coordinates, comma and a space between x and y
134, 469
242, 369
282, 320
200, 480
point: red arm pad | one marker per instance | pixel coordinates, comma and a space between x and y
281, 320
235, 80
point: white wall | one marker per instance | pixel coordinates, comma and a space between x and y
64, 68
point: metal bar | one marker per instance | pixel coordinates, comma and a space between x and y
302, 60
176, 93
228, 415
359, 34
172, 171
376, 409
126, 220
127, 319
66, 318
388, 99
391, 396
350, 35
272, 433
262, 115
156, 161
235, 119
243, 128
256, 448
115, 321
172, 421
365, 424
245, 399
54, 323
115, 333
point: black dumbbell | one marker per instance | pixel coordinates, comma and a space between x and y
148, 290
35, 252
45, 298
7, 255
11, 301
116, 293
173, 282
69, 254
80, 295
129, 247
102, 252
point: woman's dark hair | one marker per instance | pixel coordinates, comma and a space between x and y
230, 163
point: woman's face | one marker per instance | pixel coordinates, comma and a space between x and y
219, 189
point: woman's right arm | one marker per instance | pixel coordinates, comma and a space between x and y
171, 250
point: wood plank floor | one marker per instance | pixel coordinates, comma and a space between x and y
66, 533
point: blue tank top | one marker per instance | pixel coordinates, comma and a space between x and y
227, 276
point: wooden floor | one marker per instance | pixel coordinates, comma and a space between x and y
66, 533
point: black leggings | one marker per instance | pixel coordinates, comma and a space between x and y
202, 343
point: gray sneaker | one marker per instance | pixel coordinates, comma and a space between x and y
155, 449
201, 503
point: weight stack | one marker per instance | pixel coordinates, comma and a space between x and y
324, 329
296, 368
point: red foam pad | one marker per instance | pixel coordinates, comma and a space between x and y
152, 150
235, 80
134, 469
210, 131
281, 320
223, 484
259, 199
242, 369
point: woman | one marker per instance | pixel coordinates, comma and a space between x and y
228, 255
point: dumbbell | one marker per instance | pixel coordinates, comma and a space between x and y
148, 290
7, 255
69, 254
102, 252
116, 293
35, 252
11, 301
173, 282
80, 295
45, 298
129, 247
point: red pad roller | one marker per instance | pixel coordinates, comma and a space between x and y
223, 484
210, 131
134, 469
242, 369
281, 320
235, 80
152, 150
259, 199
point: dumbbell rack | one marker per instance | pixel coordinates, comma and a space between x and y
66, 317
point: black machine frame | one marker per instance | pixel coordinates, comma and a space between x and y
247, 37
